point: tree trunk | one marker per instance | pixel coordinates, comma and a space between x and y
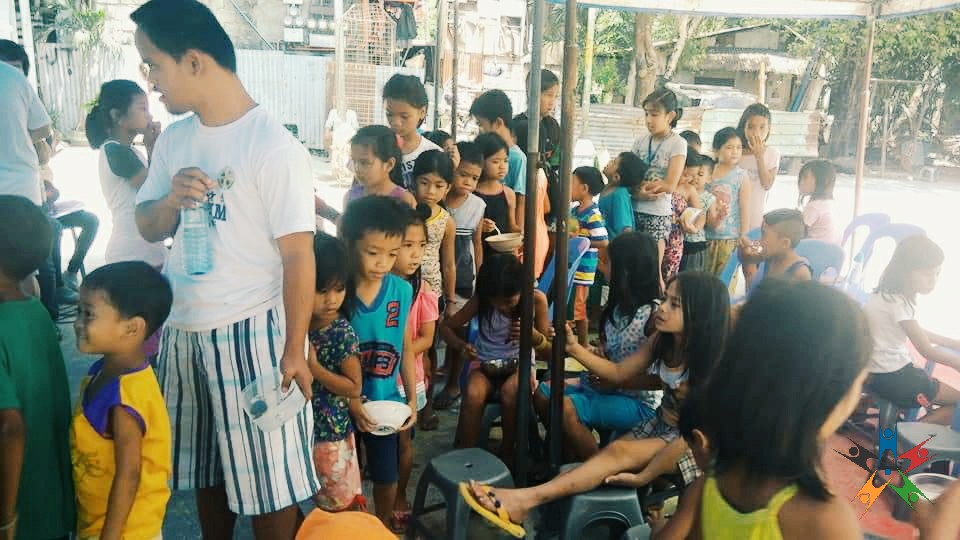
687, 27
643, 68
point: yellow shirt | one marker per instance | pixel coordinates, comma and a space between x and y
720, 521
92, 451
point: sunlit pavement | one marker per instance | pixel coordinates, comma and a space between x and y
931, 206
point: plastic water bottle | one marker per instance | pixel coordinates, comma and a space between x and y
195, 242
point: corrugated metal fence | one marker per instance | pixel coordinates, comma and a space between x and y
292, 87
794, 134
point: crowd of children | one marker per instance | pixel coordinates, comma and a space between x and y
669, 381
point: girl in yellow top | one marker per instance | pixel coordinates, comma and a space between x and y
791, 374
120, 437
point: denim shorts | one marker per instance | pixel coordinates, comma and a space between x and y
613, 411
383, 457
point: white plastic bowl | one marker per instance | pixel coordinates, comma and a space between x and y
268, 407
388, 416
506, 242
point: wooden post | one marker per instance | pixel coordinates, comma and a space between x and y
886, 136
567, 118
525, 362
864, 111
588, 71
437, 69
455, 76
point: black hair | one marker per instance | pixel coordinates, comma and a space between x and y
549, 135
693, 158
13, 51
26, 237
692, 137
491, 105
418, 217
707, 161
407, 88
490, 144
824, 178
795, 352
548, 80
706, 319
691, 415
116, 95
438, 137
500, 276
590, 177
721, 137
632, 170
373, 213
134, 289
634, 276
177, 26
789, 223
434, 162
470, 152
329, 253
755, 109
382, 141
913, 253
666, 100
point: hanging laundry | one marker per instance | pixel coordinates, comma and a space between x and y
406, 21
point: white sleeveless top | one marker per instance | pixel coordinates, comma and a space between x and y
125, 242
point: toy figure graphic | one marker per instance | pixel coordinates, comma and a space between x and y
869, 493
887, 439
917, 455
910, 493
860, 455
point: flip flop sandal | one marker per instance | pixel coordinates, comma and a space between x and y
501, 519
399, 521
444, 400
429, 423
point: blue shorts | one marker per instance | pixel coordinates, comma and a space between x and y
617, 412
383, 457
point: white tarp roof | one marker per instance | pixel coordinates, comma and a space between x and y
788, 9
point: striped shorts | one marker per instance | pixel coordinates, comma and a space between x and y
202, 375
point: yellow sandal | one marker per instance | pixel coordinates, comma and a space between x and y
501, 519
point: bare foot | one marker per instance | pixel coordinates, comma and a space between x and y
939, 520
627, 479
516, 502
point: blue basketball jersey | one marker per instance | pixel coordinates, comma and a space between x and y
380, 328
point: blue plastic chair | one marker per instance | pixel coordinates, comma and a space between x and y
822, 256
733, 264
897, 231
871, 221
577, 248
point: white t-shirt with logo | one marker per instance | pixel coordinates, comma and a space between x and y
20, 111
411, 158
265, 192
885, 312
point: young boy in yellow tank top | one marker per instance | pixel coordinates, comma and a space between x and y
120, 436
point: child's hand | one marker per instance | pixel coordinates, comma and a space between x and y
412, 421
757, 146
939, 519
488, 225
573, 344
361, 419
515, 330
469, 352
150, 134
454, 154
450, 310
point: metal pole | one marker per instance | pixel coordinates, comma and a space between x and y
529, 226
886, 135
340, 59
26, 26
455, 82
864, 111
587, 71
437, 70
567, 119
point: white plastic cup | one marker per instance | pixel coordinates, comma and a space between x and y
267, 405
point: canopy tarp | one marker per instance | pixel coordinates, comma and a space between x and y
791, 9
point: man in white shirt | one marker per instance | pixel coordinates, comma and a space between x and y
248, 316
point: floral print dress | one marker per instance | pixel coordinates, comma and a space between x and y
673, 251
